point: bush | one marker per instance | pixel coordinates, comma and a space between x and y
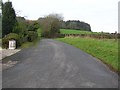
32, 35
11, 36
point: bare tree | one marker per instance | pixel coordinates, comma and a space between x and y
51, 25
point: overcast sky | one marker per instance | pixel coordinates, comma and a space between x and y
102, 15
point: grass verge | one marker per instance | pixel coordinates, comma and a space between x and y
30, 44
39, 32
105, 49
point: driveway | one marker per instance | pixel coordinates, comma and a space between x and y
53, 64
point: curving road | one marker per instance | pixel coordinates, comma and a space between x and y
53, 64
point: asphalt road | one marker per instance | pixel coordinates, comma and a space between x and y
53, 64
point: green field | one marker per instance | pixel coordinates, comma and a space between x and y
105, 50
70, 31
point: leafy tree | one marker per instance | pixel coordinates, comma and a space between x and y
21, 27
32, 35
8, 18
33, 26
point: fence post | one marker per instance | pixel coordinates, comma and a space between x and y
115, 35
101, 34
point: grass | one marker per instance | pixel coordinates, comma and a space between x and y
71, 31
30, 44
39, 32
105, 50
26, 45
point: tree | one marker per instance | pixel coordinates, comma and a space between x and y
21, 27
51, 25
33, 26
8, 18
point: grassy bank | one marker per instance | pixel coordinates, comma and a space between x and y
70, 31
105, 50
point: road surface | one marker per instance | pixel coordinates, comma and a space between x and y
53, 64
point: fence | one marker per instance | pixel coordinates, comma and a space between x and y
98, 36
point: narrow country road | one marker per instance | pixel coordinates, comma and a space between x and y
53, 64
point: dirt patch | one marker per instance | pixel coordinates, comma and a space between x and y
9, 64
5, 53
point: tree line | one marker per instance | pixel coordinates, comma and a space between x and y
75, 24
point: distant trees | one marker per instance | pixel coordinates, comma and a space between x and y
51, 25
8, 18
75, 24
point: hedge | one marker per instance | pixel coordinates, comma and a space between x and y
11, 36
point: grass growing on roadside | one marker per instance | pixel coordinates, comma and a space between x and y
71, 31
105, 50
30, 44
34, 43
39, 32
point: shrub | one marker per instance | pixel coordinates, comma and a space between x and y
23, 39
11, 36
32, 35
